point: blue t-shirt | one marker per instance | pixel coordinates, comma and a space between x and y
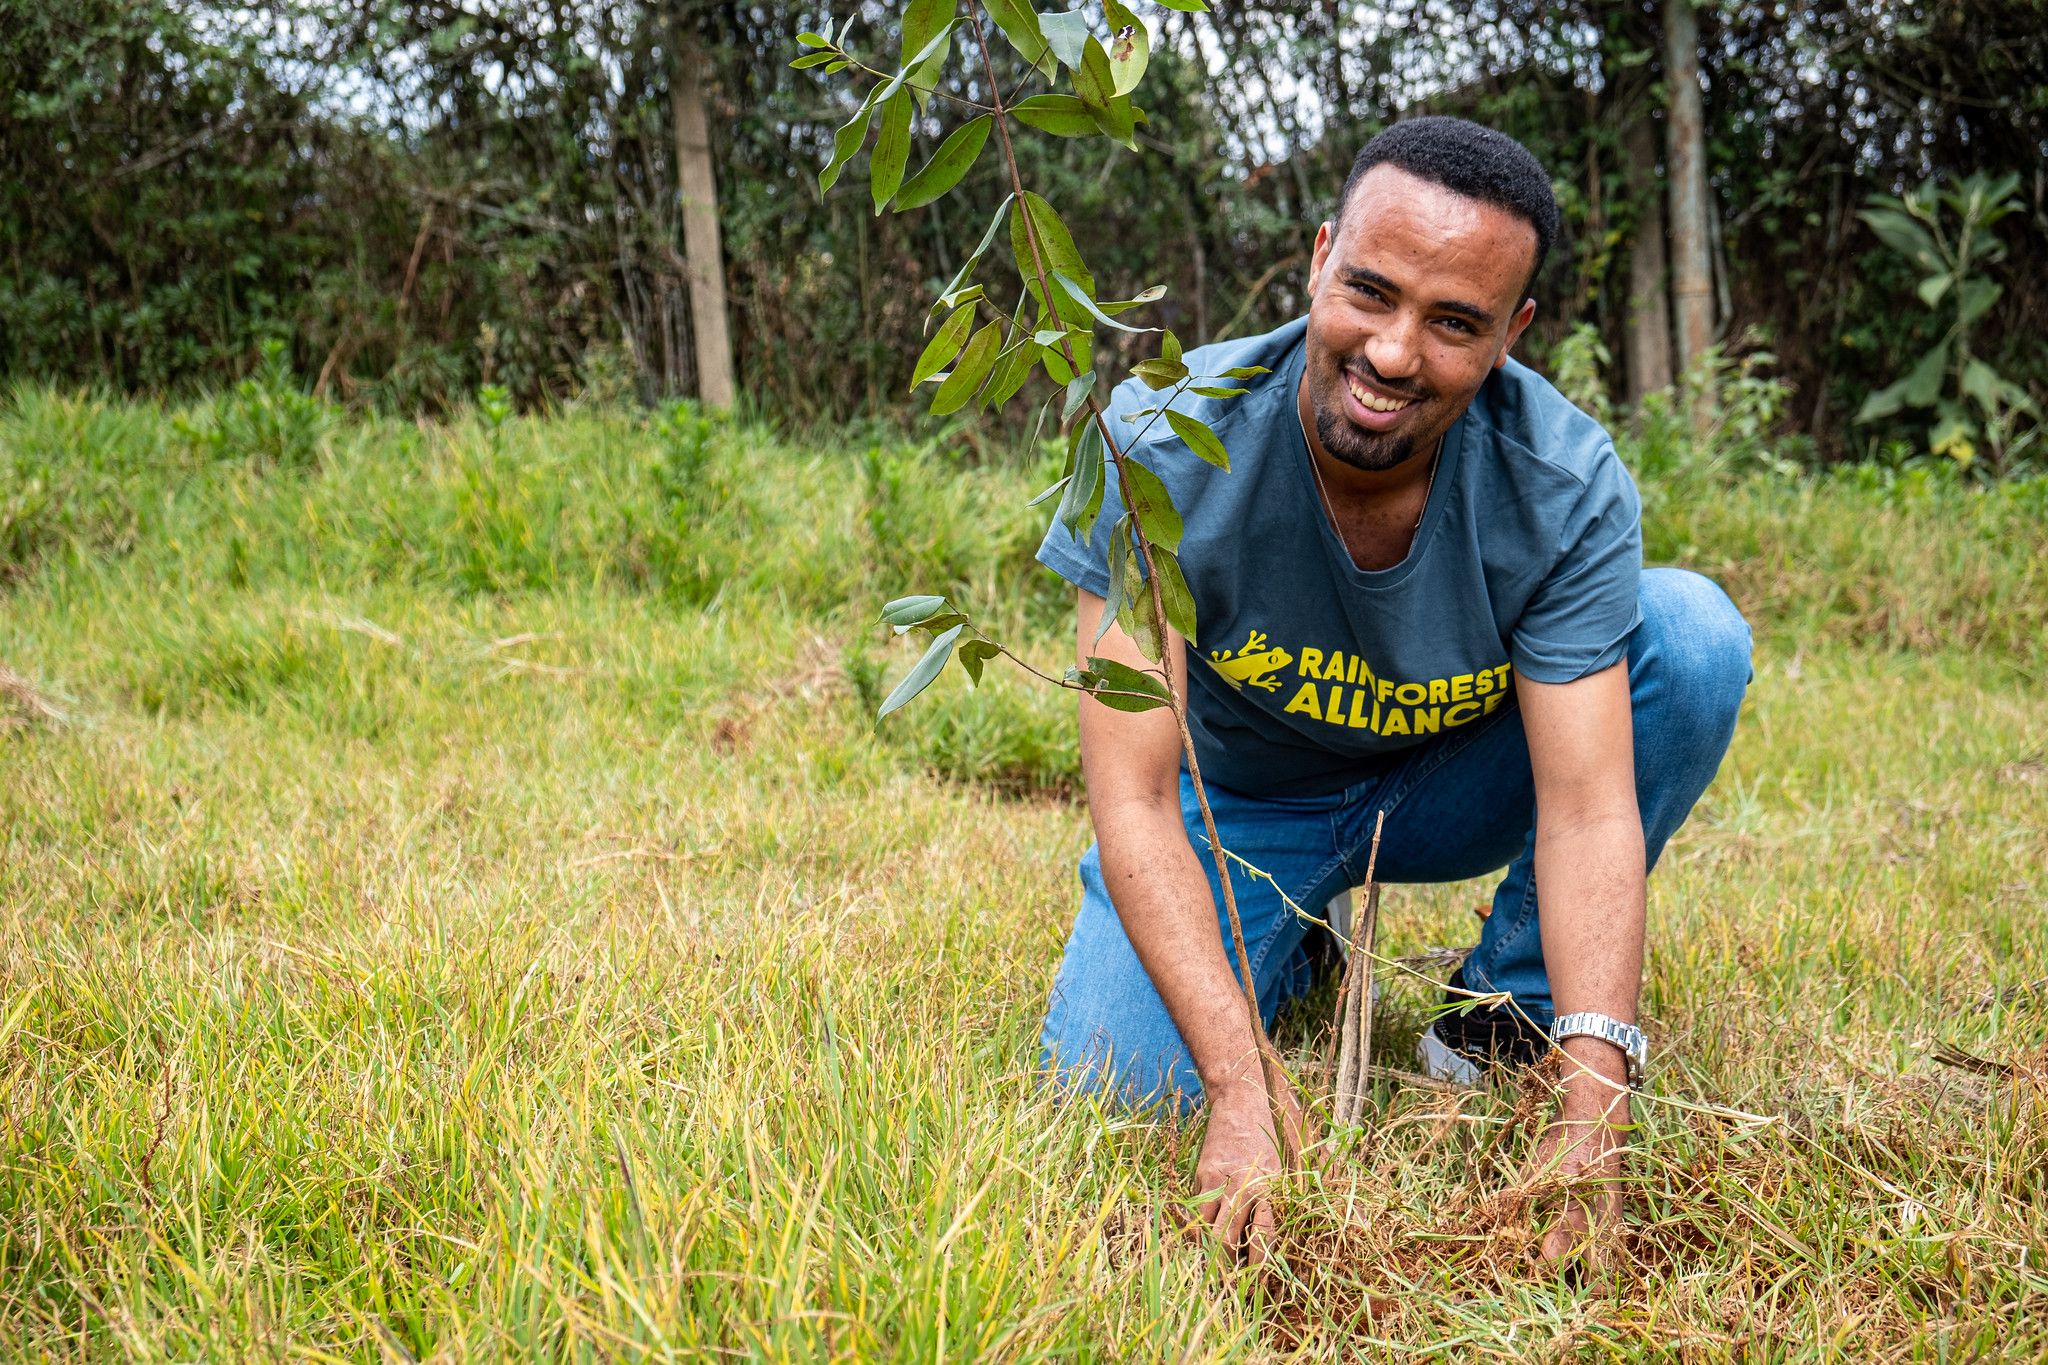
1310, 673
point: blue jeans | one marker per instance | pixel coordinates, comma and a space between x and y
1458, 806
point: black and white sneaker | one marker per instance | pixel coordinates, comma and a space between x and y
1479, 1044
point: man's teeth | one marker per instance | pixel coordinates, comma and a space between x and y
1372, 402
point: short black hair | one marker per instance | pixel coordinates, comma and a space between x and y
1469, 159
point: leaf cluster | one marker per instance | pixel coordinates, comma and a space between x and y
1947, 235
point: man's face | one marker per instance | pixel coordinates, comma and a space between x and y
1414, 297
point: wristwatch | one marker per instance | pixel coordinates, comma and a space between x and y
1627, 1037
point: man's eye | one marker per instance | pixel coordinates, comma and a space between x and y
1369, 292
1460, 325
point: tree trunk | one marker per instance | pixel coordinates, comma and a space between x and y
698, 187
1649, 315
1692, 280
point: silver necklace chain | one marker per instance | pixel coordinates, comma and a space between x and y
1330, 508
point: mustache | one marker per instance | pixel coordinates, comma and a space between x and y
1363, 369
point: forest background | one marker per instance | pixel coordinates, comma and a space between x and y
418, 198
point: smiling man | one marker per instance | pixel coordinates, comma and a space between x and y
1419, 592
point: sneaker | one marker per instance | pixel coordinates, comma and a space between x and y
1465, 1049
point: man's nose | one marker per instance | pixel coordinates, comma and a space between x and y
1394, 348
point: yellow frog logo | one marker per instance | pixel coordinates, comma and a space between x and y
1253, 665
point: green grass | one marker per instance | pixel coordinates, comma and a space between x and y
463, 911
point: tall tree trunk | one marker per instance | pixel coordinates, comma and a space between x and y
698, 186
1692, 279
1649, 315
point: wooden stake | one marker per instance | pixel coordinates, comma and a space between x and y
1354, 999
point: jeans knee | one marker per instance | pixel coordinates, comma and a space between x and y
1697, 642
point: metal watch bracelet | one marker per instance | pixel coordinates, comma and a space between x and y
1591, 1024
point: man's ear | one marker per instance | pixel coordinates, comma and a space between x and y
1316, 261
1517, 325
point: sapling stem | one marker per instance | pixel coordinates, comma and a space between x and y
1272, 1076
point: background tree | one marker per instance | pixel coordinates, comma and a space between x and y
420, 197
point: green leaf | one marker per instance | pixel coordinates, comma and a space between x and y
1012, 369
1077, 394
1150, 294
1024, 28
1085, 490
1160, 374
934, 48
1153, 506
1953, 434
810, 59
1128, 689
1081, 300
1187, 6
975, 363
955, 157
1134, 612
944, 345
988, 238
921, 674
1923, 385
1056, 366
1217, 391
1169, 349
1934, 286
973, 655
1883, 403
905, 612
1067, 32
1058, 486
1129, 49
1899, 232
1173, 592
1094, 82
846, 142
1974, 299
1120, 552
892, 148
926, 21
813, 40
1982, 383
1242, 372
1056, 248
1119, 120
1060, 115
1199, 438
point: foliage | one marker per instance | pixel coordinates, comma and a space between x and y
268, 419
1578, 367
421, 200
1747, 400
990, 363
1951, 379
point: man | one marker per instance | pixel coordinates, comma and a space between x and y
1419, 592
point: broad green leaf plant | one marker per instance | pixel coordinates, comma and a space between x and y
1973, 405
986, 349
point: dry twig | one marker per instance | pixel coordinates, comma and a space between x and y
1354, 999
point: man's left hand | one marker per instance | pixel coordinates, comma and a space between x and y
1584, 1145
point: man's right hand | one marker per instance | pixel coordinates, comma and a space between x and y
1238, 1162
1131, 762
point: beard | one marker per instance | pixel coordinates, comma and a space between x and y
1372, 451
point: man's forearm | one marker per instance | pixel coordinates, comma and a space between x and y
1589, 874
1168, 912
